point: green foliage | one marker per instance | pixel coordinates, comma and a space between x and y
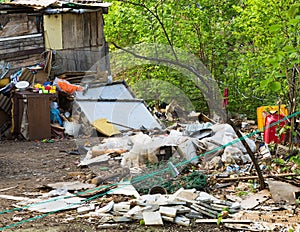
249, 46
192, 180
242, 193
142, 222
279, 161
220, 218
296, 159
161, 84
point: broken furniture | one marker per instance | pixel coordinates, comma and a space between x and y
31, 115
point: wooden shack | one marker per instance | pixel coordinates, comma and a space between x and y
74, 30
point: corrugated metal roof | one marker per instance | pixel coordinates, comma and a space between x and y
33, 3
40, 4
93, 3
89, 3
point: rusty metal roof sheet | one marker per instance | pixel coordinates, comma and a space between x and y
41, 4
38, 4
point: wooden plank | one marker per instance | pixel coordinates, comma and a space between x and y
39, 117
86, 29
68, 31
79, 34
100, 36
21, 53
14, 198
94, 27
9, 188
240, 178
23, 37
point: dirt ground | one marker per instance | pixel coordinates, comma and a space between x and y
27, 165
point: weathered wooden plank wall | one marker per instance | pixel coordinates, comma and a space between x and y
21, 51
20, 42
18, 24
82, 30
80, 59
83, 43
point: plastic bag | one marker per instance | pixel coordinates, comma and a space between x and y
66, 86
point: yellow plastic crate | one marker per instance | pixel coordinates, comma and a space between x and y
263, 111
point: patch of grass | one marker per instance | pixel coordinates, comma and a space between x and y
242, 193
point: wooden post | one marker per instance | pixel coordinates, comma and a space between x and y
261, 180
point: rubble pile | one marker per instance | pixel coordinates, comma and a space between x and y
191, 172
195, 171
180, 208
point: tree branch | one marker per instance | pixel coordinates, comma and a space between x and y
206, 90
155, 15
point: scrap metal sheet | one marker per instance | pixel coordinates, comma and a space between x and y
128, 114
116, 91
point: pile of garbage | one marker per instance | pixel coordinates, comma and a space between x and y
165, 174
138, 153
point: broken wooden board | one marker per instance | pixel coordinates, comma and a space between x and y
283, 192
104, 127
256, 199
108, 226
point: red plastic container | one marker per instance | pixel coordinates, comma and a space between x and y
270, 131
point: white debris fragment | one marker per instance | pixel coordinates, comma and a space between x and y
152, 218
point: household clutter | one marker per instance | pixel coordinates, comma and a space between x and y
143, 171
